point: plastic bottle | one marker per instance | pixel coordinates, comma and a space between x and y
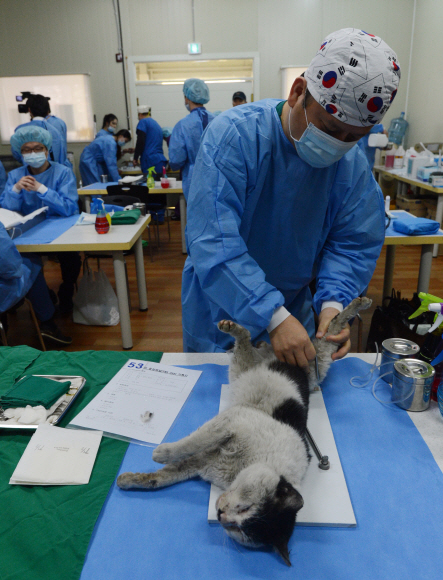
101, 223
399, 157
150, 181
397, 129
389, 159
164, 180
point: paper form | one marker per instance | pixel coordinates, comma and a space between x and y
140, 388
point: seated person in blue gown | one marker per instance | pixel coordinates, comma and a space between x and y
149, 145
22, 277
187, 133
280, 196
39, 110
100, 157
41, 182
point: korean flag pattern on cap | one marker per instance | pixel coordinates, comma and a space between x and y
354, 76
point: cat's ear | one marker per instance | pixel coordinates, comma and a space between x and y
282, 549
289, 494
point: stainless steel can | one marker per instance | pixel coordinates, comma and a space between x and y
104, 178
411, 385
141, 207
394, 349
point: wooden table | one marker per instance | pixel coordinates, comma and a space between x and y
426, 242
100, 189
84, 238
402, 185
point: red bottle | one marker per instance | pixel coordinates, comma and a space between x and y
101, 223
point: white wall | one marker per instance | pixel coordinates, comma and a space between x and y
61, 36
425, 114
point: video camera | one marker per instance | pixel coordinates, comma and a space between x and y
23, 108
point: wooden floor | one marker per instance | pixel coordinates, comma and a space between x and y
159, 329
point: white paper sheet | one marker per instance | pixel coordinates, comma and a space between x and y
325, 493
11, 219
121, 408
56, 456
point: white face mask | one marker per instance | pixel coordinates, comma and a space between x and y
317, 148
187, 106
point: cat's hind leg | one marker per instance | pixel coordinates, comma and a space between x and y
245, 355
164, 477
214, 433
326, 349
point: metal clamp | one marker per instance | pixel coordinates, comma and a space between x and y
322, 459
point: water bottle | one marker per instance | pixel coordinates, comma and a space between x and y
397, 129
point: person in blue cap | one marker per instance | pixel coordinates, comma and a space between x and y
280, 196
42, 182
100, 157
22, 276
149, 145
187, 133
38, 108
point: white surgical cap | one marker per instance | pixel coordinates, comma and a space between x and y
27, 135
142, 109
354, 76
196, 91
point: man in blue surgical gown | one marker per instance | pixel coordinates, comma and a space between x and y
149, 145
186, 136
280, 196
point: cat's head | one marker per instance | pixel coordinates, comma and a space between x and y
260, 508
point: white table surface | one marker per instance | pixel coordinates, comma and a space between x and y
429, 423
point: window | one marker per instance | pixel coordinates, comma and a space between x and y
70, 99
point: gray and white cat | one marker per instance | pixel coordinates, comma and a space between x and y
257, 449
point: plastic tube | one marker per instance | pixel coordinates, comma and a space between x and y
356, 379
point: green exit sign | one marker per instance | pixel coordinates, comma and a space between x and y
194, 48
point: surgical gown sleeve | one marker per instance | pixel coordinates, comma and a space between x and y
62, 197
229, 276
178, 153
109, 149
352, 247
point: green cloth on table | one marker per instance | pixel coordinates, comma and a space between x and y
34, 391
45, 530
125, 217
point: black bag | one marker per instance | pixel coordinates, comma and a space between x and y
392, 321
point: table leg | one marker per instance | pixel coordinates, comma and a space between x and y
438, 218
389, 271
424, 274
87, 199
141, 277
122, 295
183, 221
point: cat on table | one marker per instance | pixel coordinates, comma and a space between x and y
256, 450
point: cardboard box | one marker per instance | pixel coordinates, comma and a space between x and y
409, 204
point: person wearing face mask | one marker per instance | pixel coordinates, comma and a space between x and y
149, 145
280, 196
109, 127
42, 182
187, 133
100, 157
39, 110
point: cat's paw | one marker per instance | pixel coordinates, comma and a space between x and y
227, 326
163, 453
130, 480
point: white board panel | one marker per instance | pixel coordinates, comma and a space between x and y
325, 493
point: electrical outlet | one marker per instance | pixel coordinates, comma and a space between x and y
119, 57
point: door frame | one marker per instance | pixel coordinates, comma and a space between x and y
132, 60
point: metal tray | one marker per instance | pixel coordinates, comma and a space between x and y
59, 412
